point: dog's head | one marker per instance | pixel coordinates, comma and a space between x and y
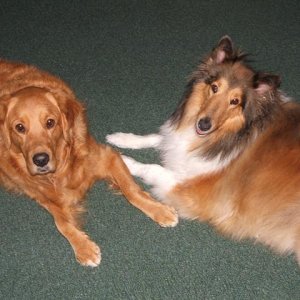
224, 99
39, 125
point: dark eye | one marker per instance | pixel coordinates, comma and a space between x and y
234, 101
50, 123
214, 88
20, 128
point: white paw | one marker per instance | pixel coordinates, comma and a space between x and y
131, 164
122, 140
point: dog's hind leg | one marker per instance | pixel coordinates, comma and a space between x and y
133, 141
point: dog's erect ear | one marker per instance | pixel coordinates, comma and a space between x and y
223, 51
264, 83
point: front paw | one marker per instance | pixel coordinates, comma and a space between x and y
120, 139
165, 216
133, 166
88, 253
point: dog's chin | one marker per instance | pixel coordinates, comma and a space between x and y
41, 170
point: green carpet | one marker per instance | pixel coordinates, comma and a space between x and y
128, 61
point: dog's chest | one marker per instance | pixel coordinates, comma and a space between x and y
177, 157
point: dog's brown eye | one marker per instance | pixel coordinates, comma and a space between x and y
234, 101
50, 123
214, 88
20, 128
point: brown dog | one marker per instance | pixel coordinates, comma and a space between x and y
48, 154
230, 152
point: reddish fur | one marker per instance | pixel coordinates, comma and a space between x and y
230, 152
257, 195
80, 161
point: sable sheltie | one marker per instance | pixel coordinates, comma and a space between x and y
230, 152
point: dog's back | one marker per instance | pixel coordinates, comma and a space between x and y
258, 194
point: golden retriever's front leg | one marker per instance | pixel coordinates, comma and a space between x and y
86, 251
117, 171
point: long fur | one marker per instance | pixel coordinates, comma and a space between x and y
230, 152
48, 154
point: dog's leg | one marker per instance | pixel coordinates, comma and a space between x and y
118, 173
152, 174
161, 179
86, 251
133, 141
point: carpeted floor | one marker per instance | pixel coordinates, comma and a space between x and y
128, 61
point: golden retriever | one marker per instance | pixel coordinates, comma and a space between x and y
48, 154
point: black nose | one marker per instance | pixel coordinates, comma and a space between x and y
40, 159
204, 124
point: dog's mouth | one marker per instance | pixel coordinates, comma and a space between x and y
201, 132
43, 170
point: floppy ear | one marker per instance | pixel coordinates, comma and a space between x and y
3, 125
265, 83
223, 51
65, 128
70, 112
64, 122
72, 117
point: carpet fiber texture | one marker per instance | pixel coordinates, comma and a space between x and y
128, 61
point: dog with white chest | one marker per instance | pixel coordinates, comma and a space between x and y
229, 152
